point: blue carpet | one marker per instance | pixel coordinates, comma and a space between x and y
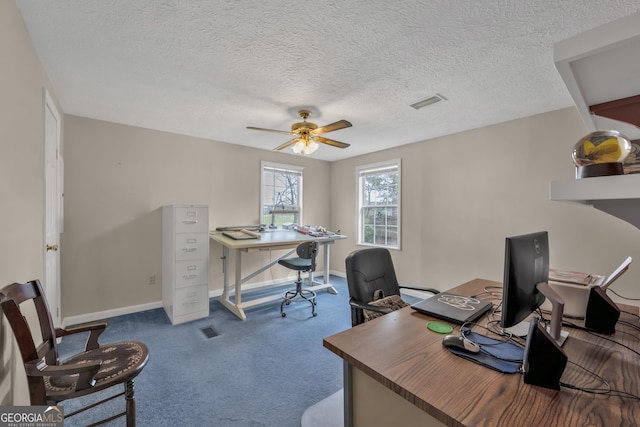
264, 371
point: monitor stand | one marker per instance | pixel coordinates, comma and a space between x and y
519, 330
555, 327
522, 330
557, 311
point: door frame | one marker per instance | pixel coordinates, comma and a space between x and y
53, 205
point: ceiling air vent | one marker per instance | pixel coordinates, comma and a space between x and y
428, 101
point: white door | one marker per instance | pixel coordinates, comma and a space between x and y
53, 190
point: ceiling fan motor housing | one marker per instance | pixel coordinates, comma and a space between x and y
300, 127
303, 125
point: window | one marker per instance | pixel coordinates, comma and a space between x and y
379, 204
281, 194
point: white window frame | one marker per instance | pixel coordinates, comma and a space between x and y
295, 169
361, 172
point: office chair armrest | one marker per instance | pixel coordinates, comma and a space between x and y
364, 306
85, 371
414, 288
94, 329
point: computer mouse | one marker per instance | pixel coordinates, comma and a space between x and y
460, 342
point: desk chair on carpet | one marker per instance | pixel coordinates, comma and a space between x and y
373, 286
97, 368
372, 280
304, 262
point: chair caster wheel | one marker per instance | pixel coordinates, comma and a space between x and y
283, 314
315, 314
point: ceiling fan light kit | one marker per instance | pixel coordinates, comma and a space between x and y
306, 140
305, 146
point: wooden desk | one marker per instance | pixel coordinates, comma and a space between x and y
269, 240
398, 373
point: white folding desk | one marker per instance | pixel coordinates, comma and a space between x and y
269, 240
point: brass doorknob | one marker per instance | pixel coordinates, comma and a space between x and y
52, 248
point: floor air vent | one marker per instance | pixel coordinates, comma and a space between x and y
209, 332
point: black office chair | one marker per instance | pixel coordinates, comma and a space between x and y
305, 261
373, 286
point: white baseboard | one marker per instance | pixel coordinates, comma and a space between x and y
101, 315
338, 273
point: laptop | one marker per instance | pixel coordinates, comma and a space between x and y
453, 308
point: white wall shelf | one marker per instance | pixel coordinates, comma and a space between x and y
617, 195
598, 66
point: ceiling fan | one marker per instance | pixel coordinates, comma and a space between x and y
306, 134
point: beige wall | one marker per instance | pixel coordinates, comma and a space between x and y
22, 80
116, 179
464, 193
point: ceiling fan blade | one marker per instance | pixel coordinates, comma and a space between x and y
286, 144
331, 142
286, 132
340, 124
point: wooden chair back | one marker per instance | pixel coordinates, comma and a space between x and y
34, 344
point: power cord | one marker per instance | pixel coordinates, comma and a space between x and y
623, 297
465, 330
572, 325
607, 390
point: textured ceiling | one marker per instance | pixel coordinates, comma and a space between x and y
209, 68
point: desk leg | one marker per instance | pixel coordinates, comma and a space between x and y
234, 307
325, 281
347, 395
225, 273
238, 277
326, 264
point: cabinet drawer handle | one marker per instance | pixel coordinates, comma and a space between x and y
190, 221
189, 276
191, 298
192, 241
190, 249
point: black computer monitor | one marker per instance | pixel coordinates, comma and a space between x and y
525, 285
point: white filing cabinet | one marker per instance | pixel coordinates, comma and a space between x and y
185, 262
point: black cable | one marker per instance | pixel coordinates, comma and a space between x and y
468, 329
498, 357
632, 314
607, 390
485, 295
617, 294
489, 290
629, 324
615, 342
572, 325
493, 327
465, 330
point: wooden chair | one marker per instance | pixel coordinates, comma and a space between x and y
370, 277
97, 368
